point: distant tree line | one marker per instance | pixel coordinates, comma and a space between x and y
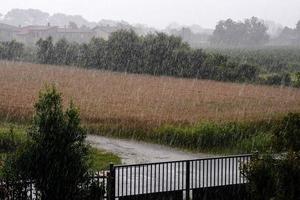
160, 54
250, 32
156, 54
11, 50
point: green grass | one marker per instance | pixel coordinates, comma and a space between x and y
101, 159
210, 137
221, 138
11, 136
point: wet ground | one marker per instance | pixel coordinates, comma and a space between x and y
134, 152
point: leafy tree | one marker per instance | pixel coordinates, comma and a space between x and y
12, 50
98, 54
56, 157
45, 51
251, 32
158, 50
123, 51
256, 32
61, 52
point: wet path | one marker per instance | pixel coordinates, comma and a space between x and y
134, 152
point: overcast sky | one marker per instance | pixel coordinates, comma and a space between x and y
159, 13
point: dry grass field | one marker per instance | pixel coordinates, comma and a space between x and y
106, 96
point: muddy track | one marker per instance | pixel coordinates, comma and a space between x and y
131, 151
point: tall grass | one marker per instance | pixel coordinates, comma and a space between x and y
11, 137
193, 114
111, 97
239, 137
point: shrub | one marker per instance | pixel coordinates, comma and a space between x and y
274, 178
260, 173
287, 133
278, 176
9, 140
297, 79
56, 157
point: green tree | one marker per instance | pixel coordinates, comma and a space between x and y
123, 51
98, 56
57, 157
11, 50
251, 32
45, 51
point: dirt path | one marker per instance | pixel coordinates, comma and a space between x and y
133, 152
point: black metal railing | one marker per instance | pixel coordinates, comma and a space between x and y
174, 177
185, 175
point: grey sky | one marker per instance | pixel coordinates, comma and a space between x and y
159, 13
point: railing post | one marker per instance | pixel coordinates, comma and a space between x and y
187, 180
111, 183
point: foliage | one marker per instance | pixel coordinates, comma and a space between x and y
287, 133
277, 79
260, 173
12, 50
274, 178
45, 51
251, 32
212, 137
156, 54
278, 176
10, 139
160, 54
297, 79
56, 157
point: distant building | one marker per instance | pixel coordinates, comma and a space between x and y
31, 34
74, 35
8, 32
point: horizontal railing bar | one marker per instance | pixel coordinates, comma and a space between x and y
179, 161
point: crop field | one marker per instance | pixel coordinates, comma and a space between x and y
107, 97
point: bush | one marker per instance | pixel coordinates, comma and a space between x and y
10, 140
260, 173
274, 178
297, 79
55, 157
278, 176
287, 133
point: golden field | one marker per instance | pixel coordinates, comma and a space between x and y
107, 96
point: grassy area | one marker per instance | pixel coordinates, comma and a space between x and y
106, 97
198, 115
14, 135
221, 138
101, 159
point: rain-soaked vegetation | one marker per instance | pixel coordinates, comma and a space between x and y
160, 54
277, 176
188, 113
53, 144
232, 89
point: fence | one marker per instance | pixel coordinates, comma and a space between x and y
177, 179
177, 176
